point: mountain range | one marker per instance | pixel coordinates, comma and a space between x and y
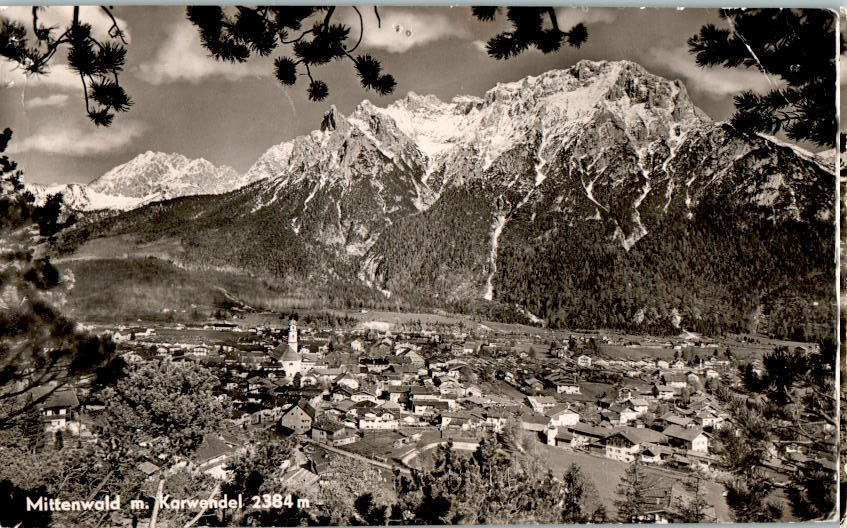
593, 196
148, 177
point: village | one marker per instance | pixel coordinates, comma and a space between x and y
388, 398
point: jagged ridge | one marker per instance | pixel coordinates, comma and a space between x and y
605, 149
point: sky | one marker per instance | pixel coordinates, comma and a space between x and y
229, 114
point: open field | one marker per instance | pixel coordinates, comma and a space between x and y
123, 246
148, 288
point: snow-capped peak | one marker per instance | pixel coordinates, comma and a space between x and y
174, 174
148, 177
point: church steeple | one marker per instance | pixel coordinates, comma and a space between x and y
292, 335
292, 359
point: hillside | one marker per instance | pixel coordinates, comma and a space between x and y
593, 196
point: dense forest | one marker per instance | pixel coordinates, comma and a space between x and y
722, 266
728, 268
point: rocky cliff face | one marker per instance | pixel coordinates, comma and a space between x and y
601, 139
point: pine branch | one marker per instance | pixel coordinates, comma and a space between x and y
361, 30
115, 30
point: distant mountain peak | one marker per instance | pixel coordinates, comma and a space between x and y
148, 177
169, 174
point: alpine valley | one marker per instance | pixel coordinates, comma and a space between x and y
593, 197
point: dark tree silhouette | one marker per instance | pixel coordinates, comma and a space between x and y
40, 350
308, 36
97, 62
305, 37
796, 50
532, 27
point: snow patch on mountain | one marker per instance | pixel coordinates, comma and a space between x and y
496, 231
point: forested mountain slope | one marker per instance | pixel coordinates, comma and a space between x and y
593, 196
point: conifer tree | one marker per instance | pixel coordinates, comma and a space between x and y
303, 37
532, 27
694, 510
33, 429
98, 62
631, 494
576, 490
39, 347
796, 50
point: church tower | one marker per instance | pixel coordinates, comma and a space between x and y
292, 360
292, 335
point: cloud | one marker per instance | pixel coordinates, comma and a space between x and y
182, 58
60, 17
59, 77
570, 16
715, 81
50, 100
79, 142
402, 30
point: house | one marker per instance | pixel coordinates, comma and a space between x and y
639, 405
148, 468
347, 381
364, 395
671, 418
299, 478
561, 416
568, 388
378, 420
426, 407
585, 435
625, 393
655, 453
455, 419
584, 361
690, 439
708, 418
625, 443
540, 404
57, 408
212, 457
663, 392
398, 394
534, 384
299, 417
625, 412
333, 433
473, 391
497, 419
663, 499
675, 380
319, 461
533, 422
415, 359
559, 437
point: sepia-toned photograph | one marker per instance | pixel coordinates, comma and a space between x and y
369, 266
